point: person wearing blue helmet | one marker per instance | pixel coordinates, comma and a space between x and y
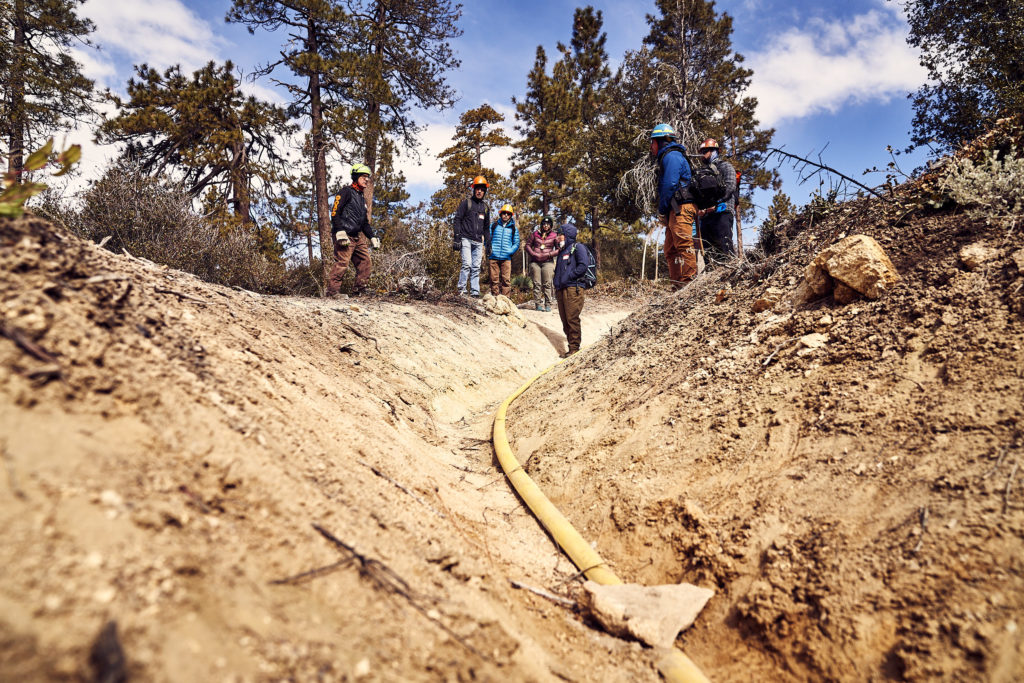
676, 208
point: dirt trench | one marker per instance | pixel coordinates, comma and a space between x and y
168, 446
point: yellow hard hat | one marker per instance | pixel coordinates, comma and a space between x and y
507, 208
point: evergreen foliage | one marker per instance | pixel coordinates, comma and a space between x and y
974, 53
42, 89
478, 132
225, 145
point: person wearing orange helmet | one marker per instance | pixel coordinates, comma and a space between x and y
501, 247
470, 231
716, 221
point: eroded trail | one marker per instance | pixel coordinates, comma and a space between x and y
168, 446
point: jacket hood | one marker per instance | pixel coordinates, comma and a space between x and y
569, 230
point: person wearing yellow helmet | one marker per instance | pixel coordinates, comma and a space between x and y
470, 231
353, 237
502, 245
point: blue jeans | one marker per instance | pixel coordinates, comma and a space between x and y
472, 252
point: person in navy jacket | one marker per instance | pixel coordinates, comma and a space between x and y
675, 205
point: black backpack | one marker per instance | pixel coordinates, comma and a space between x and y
589, 278
706, 183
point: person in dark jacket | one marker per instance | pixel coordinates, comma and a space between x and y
470, 230
716, 222
501, 247
350, 229
541, 246
677, 212
570, 288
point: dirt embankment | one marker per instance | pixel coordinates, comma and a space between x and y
857, 505
167, 446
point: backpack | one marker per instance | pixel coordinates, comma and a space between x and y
589, 278
707, 186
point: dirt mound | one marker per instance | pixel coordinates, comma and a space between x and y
854, 496
168, 445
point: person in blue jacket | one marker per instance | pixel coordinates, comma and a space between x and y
502, 246
676, 207
570, 287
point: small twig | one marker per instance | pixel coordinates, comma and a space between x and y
163, 290
401, 488
104, 241
778, 348
1009, 485
999, 462
924, 527
909, 379
12, 476
26, 344
106, 277
565, 602
313, 573
361, 335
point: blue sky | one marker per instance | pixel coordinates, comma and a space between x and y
826, 74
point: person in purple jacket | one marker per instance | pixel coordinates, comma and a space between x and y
542, 247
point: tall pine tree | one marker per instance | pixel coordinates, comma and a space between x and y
478, 132
42, 88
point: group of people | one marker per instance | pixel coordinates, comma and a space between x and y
558, 263
557, 267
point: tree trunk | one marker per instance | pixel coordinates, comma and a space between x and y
595, 244
323, 210
240, 182
373, 124
16, 140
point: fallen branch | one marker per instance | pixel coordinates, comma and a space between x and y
175, 292
565, 602
799, 161
361, 335
401, 488
778, 348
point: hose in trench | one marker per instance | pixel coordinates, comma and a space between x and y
676, 667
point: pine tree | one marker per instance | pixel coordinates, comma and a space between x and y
699, 87
390, 200
42, 88
478, 132
974, 53
223, 144
317, 52
398, 54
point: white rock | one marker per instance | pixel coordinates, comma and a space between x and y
814, 340
974, 256
111, 499
652, 614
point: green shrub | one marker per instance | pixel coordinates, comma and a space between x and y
992, 187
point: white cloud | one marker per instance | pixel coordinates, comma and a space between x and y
160, 33
827, 65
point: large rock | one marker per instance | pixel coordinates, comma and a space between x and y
857, 263
502, 305
652, 614
974, 256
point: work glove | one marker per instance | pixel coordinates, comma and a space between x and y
375, 243
722, 208
343, 240
456, 245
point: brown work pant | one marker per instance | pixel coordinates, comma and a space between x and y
501, 273
358, 252
679, 252
570, 305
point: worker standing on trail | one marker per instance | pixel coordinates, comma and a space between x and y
501, 247
541, 246
470, 230
676, 209
350, 228
571, 265
716, 222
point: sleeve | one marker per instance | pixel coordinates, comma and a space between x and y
516, 240
487, 227
579, 262
367, 230
340, 202
675, 172
530, 249
729, 173
460, 214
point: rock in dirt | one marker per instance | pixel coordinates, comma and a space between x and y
814, 340
974, 256
502, 305
767, 301
652, 614
857, 263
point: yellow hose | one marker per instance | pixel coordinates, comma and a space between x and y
676, 667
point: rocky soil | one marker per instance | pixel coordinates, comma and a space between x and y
845, 476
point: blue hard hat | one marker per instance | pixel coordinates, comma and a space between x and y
663, 130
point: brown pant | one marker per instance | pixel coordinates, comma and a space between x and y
501, 272
358, 252
679, 252
570, 305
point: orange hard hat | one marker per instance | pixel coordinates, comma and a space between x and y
710, 143
480, 180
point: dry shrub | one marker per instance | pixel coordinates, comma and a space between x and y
153, 218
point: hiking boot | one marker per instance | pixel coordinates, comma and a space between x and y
538, 307
547, 309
